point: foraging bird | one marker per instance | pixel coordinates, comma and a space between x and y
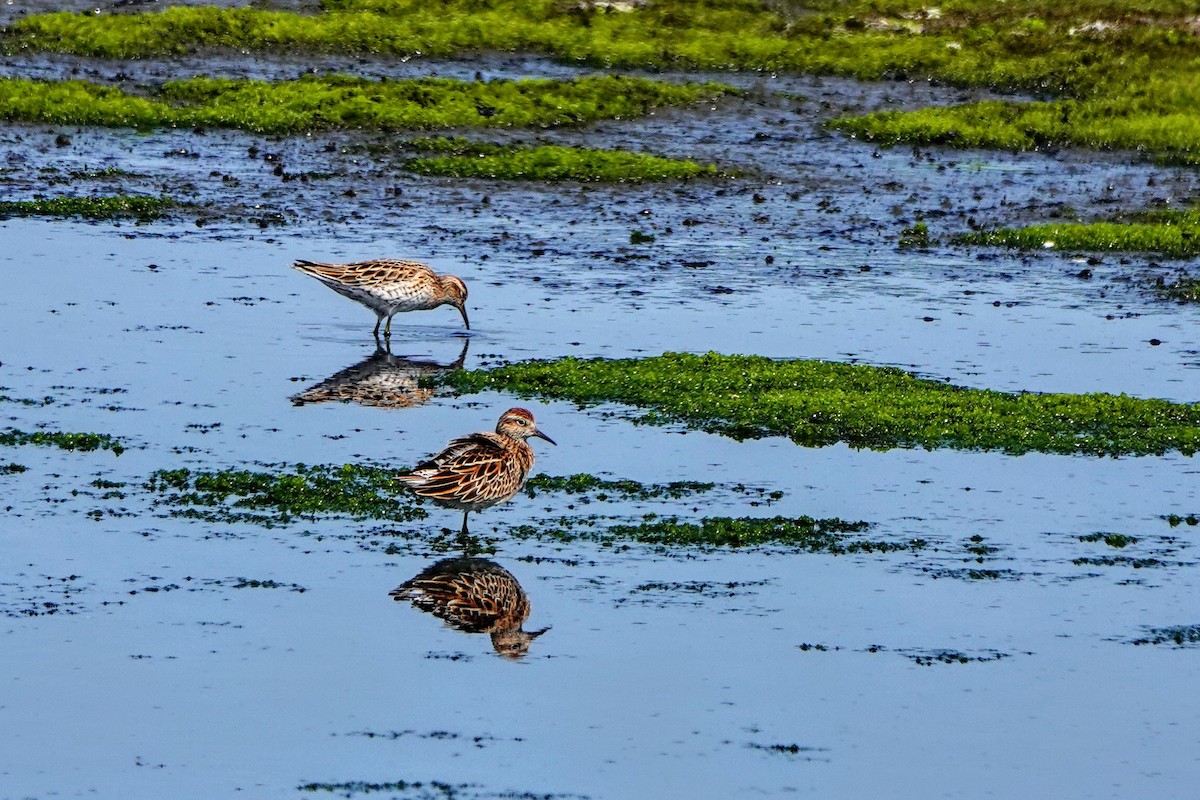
388, 286
381, 381
478, 471
474, 595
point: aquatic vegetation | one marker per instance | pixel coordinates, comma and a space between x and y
1185, 289
1178, 635
1118, 540
460, 158
582, 483
12, 469
105, 207
818, 403
1175, 520
1170, 233
345, 102
11, 437
800, 533
277, 498
1121, 79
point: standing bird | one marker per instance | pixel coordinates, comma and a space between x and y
478, 471
474, 595
388, 286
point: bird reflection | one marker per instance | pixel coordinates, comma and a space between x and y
381, 381
474, 595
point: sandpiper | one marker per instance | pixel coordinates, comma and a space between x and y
478, 471
388, 286
474, 595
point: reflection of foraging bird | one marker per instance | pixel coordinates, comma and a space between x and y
388, 286
474, 595
380, 381
480, 470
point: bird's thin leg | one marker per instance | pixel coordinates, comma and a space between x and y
378, 319
387, 329
464, 530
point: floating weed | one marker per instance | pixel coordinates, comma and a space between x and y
1184, 289
791, 750
99, 207
1174, 520
464, 159
928, 658
27, 401
819, 403
12, 437
1121, 561
1118, 540
804, 534
276, 498
583, 483
915, 236
12, 469
431, 790
1178, 635
347, 103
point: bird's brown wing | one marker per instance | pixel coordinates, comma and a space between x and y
470, 469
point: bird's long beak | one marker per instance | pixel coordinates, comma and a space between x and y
463, 310
541, 435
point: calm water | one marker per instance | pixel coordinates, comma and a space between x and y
663, 674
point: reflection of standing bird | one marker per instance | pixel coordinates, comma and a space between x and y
388, 286
380, 381
474, 595
480, 470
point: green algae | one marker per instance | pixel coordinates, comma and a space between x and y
1117, 540
818, 403
95, 207
459, 158
1174, 233
805, 534
279, 498
11, 437
338, 102
1121, 77
582, 483
12, 469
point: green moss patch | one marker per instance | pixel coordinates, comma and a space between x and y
832, 536
104, 207
279, 498
463, 159
343, 102
818, 403
1169, 233
11, 437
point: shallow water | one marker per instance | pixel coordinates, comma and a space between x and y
664, 673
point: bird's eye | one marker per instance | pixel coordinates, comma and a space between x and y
521, 422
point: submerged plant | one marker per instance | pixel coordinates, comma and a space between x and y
11, 437
273, 498
831, 536
818, 403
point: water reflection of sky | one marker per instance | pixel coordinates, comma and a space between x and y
157, 674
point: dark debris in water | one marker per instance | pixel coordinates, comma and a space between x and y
1178, 635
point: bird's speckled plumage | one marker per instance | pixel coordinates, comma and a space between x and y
388, 286
479, 470
474, 595
380, 381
